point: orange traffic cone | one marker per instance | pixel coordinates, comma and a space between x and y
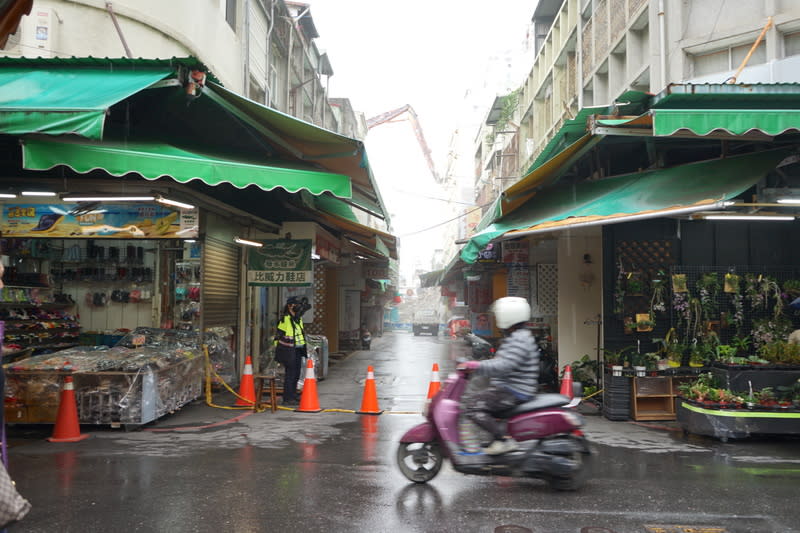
247, 388
566, 383
309, 403
369, 402
434, 386
67, 428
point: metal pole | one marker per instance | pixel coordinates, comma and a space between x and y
119, 30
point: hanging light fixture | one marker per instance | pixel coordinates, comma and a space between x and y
173, 203
246, 242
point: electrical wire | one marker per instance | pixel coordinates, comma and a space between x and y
409, 234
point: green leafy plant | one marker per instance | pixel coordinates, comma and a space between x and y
792, 288
670, 348
635, 286
741, 344
725, 352
781, 352
584, 370
617, 357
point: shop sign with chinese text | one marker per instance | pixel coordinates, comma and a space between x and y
515, 252
489, 254
280, 262
98, 220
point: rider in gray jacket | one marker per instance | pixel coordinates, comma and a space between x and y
513, 373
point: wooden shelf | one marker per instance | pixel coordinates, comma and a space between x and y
653, 398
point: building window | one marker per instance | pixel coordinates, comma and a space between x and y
791, 44
230, 13
257, 92
728, 59
273, 86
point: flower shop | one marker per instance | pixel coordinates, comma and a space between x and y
699, 322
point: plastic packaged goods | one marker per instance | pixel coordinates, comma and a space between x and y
150, 372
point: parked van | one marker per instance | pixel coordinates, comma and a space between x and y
425, 321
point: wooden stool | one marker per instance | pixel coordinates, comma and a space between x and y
259, 380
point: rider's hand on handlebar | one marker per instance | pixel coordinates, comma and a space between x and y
468, 366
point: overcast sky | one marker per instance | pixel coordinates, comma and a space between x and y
426, 53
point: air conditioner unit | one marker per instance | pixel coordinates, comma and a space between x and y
38, 30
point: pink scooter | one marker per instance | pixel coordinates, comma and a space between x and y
551, 445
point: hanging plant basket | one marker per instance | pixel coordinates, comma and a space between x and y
679, 283
731, 285
644, 322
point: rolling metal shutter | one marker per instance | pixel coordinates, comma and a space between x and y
220, 283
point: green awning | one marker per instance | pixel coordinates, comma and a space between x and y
704, 122
734, 121
296, 138
66, 100
337, 214
651, 194
153, 160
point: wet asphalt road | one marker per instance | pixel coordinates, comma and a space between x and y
214, 470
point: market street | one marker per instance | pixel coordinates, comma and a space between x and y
197, 470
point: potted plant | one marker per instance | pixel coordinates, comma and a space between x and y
615, 360
724, 352
670, 349
634, 285
584, 370
650, 362
644, 322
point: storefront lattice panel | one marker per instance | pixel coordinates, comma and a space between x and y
315, 328
546, 290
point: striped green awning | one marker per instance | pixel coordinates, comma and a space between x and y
153, 160
651, 194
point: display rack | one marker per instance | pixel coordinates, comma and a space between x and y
36, 320
187, 294
150, 373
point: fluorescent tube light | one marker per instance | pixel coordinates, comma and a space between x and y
108, 198
749, 217
174, 203
7, 195
190, 240
38, 193
789, 200
247, 243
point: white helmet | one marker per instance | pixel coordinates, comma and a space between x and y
510, 310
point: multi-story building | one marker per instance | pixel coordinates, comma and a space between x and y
589, 52
265, 51
261, 49
592, 57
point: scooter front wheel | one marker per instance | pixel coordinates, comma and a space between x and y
419, 461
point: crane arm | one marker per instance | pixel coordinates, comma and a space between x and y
394, 113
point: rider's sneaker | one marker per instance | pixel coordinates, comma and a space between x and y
500, 447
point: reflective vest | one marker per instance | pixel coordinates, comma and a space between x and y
291, 330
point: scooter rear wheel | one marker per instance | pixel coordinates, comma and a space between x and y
582, 466
419, 461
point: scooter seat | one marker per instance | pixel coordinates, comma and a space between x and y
541, 401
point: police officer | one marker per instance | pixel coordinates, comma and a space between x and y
290, 334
